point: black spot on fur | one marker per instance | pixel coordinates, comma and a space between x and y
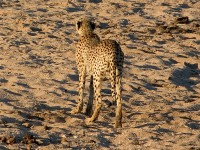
79, 23
92, 25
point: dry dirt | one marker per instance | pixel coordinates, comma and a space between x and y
39, 81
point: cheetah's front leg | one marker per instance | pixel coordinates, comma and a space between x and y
82, 76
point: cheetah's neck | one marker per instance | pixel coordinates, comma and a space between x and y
91, 39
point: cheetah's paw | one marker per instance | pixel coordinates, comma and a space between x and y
75, 111
88, 121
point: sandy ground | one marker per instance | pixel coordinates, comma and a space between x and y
39, 81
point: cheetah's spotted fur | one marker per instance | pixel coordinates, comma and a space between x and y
97, 57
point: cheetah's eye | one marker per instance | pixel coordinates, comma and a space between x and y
92, 25
79, 23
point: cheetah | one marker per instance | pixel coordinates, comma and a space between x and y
97, 58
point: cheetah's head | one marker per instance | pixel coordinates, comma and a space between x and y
85, 26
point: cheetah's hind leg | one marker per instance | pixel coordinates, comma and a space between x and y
91, 97
97, 95
118, 117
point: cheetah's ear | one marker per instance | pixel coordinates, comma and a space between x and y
93, 26
78, 24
